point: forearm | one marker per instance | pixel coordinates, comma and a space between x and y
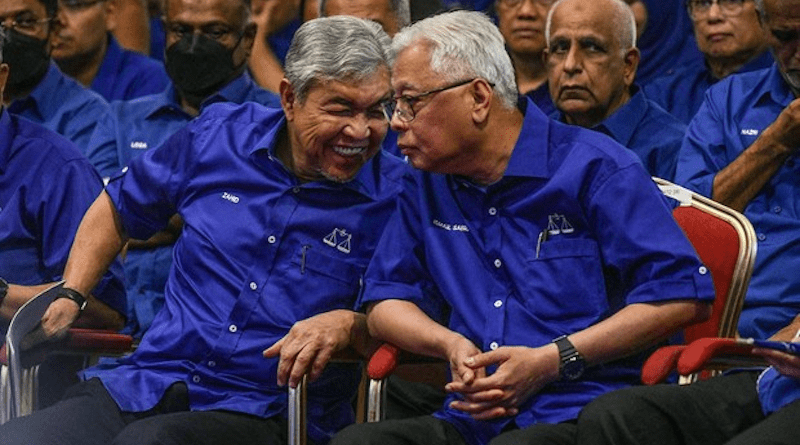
403, 324
264, 66
132, 25
788, 332
738, 183
165, 237
17, 296
635, 328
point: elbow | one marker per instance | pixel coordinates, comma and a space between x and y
699, 313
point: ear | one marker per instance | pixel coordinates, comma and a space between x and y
111, 12
248, 37
482, 95
3, 78
631, 61
288, 97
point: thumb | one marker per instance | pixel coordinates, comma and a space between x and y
482, 360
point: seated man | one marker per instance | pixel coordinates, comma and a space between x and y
540, 238
730, 36
46, 186
283, 209
36, 88
741, 150
84, 49
138, 125
591, 60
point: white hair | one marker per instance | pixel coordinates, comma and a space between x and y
624, 24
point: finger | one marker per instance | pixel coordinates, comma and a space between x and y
286, 362
274, 350
485, 359
475, 408
495, 413
320, 362
300, 365
478, 384
490, 395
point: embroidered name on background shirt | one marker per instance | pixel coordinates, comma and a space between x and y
451, 227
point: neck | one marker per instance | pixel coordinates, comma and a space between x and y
530, 71
592, 119
724, 66
83, 67
491, 156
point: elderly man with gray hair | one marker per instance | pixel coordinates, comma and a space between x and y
591, 60
537, 236
282, 209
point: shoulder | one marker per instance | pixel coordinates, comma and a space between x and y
42, 146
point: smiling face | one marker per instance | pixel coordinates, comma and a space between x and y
589, 73
721, 35
338, 126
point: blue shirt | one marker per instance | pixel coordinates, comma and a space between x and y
62, 105
46, 186
735, 112
131, 129
667, 41
125, 74
649, 131
681, 91
611, 241
259, 251
541, 97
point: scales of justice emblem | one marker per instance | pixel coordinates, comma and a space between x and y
339, 239
557, 224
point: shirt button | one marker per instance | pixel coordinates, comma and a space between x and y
498, 263
212, 363
492, 211
253, 285
493, 345
777, 209
196, 379
233, 328
703, 270
296, 190
762, 237
498, 303
271, 239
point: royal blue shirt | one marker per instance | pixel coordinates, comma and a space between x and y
736, 111
133, 128
46, 186
259, 251
125, 74
62, 105
649, 131
541, 97
682, 90
574, 231
667, 41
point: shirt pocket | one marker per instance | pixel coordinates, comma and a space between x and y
565, 282
331, 282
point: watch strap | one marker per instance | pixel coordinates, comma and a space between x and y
73, 295
3, 289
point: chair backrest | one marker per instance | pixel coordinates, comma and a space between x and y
726, 243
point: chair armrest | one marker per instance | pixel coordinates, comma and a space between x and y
78, 341
383, 361
715, 351
660, 364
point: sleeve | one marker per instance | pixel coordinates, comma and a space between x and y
397, 269
646, 255
102, 150
146, 193
703, 152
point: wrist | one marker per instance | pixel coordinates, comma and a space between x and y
71, 294
3, 289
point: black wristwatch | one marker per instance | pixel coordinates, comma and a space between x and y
73, 295
3, 289
572, 363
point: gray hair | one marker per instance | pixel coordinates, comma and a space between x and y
624, 24
762, 12
400, 8
464, 44
335, 48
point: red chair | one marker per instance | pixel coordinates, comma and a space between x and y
22, 354
725, 242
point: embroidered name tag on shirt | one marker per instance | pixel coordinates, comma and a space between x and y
232, 198
139, 145
451, 227
749, 132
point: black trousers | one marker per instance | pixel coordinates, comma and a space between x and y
721, 410
87, 415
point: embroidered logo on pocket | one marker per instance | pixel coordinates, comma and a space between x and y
339, 239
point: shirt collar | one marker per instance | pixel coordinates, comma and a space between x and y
235, 91
530, 155
6, 136
777, 88
624, 121
365, 181
43, 100
111, 64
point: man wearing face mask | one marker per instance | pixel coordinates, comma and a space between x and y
36, 88
207, 50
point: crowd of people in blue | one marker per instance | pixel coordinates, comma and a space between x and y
248, 187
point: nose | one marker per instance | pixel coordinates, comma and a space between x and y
358, 127
572, 61
714, 12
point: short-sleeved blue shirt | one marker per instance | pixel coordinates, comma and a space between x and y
681, 91
736, 111
259, 251
125, 74
541, 97
62, 105
46, 186
649, 131
610, 241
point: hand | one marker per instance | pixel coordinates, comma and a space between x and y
59, 317
310, 343
272, 15
786, 128
521, 372
787, 364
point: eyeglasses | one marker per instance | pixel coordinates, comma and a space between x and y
25, 22
216, 32
700, 8
516, 3
403, 106
78, 5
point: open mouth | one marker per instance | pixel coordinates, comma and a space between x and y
348, 151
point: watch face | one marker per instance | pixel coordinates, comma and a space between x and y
572, 369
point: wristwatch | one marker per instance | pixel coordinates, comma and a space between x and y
572, 363
73, 295
3, 289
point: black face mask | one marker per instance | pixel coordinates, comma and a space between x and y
27, 58
199, 66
